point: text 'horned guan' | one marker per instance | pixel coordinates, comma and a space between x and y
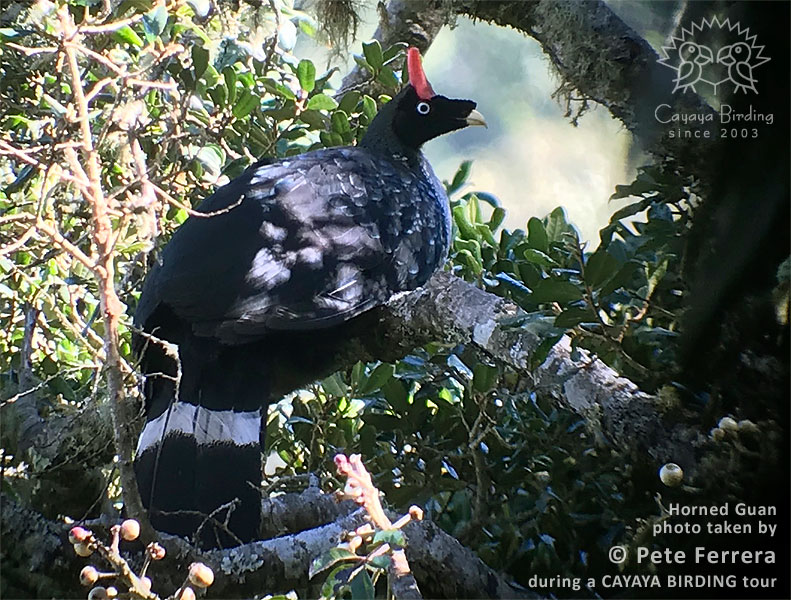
265, 287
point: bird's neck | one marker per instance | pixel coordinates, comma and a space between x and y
381, 139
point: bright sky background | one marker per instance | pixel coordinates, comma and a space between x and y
530, 157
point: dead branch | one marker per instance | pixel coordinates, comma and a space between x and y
123, 410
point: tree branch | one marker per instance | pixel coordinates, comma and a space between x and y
454, 311
123, 410
594, 52
597, 54
40, 548
416, 23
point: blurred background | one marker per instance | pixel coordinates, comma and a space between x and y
532, 158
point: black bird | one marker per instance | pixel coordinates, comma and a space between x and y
262, 289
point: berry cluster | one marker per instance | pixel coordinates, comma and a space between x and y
137, 586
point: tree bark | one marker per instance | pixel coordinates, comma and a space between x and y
38, 560
597, 56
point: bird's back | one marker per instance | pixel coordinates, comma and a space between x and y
268, 273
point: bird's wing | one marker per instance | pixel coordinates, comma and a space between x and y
686, 73
745, 72
301, 243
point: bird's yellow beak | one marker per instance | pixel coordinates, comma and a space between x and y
476, 118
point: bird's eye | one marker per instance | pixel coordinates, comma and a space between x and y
423, 108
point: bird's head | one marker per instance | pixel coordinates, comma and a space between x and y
733, 53
417, 114
692, 52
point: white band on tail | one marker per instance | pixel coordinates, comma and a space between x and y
206, 426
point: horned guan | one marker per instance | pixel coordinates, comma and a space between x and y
263, 286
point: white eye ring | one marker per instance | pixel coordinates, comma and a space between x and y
423, 108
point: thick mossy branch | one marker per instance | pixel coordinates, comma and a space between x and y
39, 560
415, 23
454, 311
595, 54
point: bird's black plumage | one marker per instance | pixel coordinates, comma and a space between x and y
286, 256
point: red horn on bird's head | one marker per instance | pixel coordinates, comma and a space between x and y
417, 76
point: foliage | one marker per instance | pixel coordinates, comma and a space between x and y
182, 99
507, 472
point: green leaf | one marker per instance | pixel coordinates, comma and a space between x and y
361, 587
336, 585
600, 267
329, 558
394, 50
629, 210
466, 230
378, 377
537, 235
397, 395
187, 79
380, 562
484, 377
334, 385
154, 22
314, 118
212, 157
467, 258
321, 82
363, 63
497, 218
330, 139
383, 422
306, 74
49, 366
219, 95
127, 35
656, 275
486, 233
555, 290
394, 537
245, 105
573, 316
369, 107
460, 178
373, 54
8, 33
293, 133
557, 225
621, 278
539, 258
211, 76
471, 246
285, 92
512, 284
349, 101
322, 102
200, 60
229, 76
387, 78
340, 122
60, 386
307, 27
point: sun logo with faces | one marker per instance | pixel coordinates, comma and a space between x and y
714, 55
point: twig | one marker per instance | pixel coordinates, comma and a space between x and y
112, 308
18, 243
361, 489
110, 27
65, 245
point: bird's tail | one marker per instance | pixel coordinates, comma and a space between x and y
198, 458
